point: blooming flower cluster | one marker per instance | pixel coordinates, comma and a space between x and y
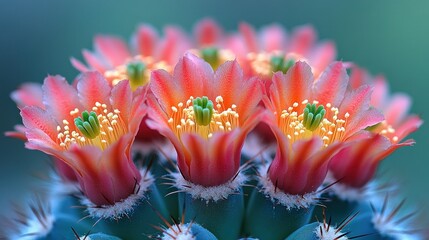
197, 101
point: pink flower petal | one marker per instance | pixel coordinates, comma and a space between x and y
28, 94
112, 48
409, 125
165, 89
193, 75
358, 77
207, 33
332, 85
294, 86
121, 98
118, 162
355, 165
174, 44
249, 98
362, 121
228, 80
64, 171
213, 162
147, 39
380, 93
249, 37
273, 38
356, 101
36, 118
397, 108
79, 65
18, 133
92, 88
41, 141
138, 109
322, 56
95, 62
60, 98
302, 40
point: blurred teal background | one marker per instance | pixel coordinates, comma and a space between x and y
389, 37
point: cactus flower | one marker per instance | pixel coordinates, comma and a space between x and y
28, 94
31, 94
357, 164
90, 128
312, 120
206, 115
117, 61
271, 50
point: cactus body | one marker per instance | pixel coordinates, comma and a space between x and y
267, 220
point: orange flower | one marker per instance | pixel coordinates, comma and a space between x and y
312, 120
116, 61
357, 164
206, 115
272, 49
91, 129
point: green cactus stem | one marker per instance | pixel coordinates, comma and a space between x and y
140, 221
223, 217
100, 236
339, 209
266, 219
186, 231
159, 166
62, 228
305, 232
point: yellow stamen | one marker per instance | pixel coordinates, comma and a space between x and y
183, 120
331, 127
112, 127
120, 72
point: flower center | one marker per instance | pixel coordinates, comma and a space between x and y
100, 127
314, 120
260, 63
203, 110
137, 70
211, 55
279, 63
266, 64
136, 74
200, 115
214, 56
88, 124
313, 116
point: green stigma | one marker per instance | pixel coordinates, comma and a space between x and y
211, 55
203, 110
136, 74
88, 124
278, 63
313, 116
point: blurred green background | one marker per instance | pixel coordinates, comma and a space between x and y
389, 37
